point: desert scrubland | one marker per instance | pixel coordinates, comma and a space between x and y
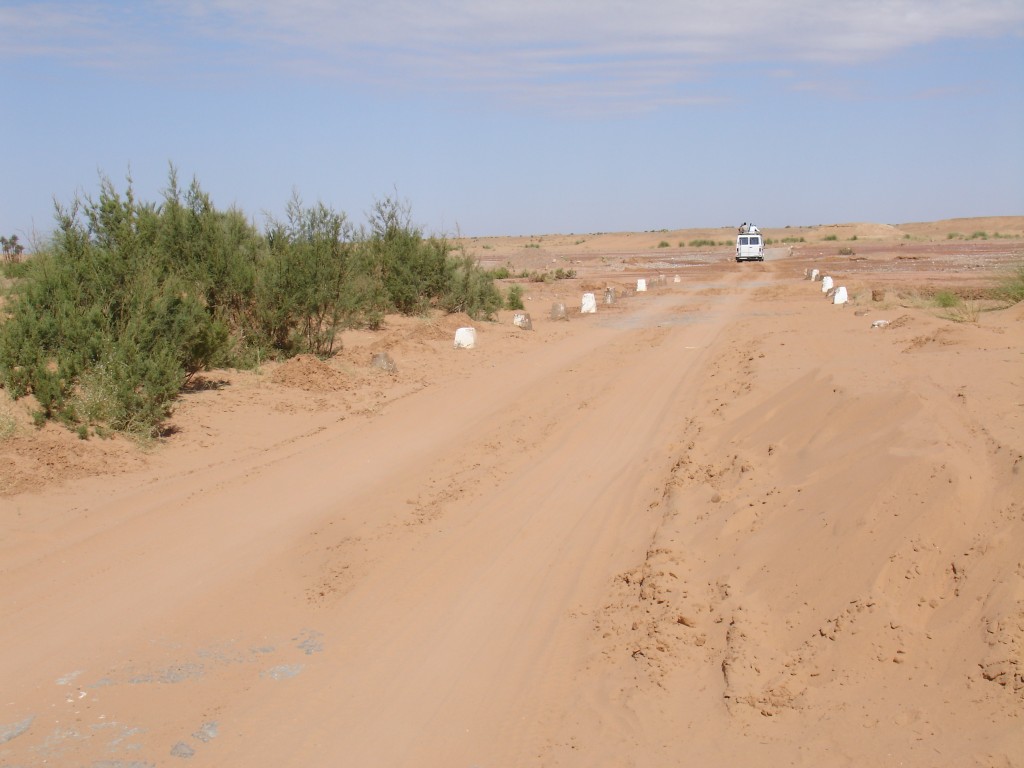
720, 522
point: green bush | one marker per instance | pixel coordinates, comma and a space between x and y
514, 300
14, 269
130, 300
831, 237
663, 244
108, 294
946, 299
303, 295
471, 290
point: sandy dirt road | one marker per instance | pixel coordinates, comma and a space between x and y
410, 579
685, 532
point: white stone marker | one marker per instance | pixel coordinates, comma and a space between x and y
641, 285
522, 320
589, 305
814, 274
826, 284
840, 296
465, 338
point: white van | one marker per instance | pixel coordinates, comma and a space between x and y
749, 244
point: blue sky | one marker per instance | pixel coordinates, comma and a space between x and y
525, 117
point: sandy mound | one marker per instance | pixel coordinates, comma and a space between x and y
308, 373
34, 459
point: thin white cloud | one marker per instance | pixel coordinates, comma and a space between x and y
527, 50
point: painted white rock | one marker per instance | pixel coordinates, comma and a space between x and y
815, 274
609, 295
383, 361
840, 296
558, 312
676, 279
522, 320
826, 284
465, 338
879, 323
641, 285
589, 304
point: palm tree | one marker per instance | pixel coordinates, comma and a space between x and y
12, 248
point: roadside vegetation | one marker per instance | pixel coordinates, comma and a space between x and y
129, 300
1011, 289
534, 276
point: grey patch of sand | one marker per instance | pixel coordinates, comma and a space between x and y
14, 730
181, 749
68, 678
206, 732
310, 641
174, 674
124, 733
282, 672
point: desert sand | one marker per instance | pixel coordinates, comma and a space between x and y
721, 522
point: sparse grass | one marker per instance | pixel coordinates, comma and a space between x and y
8, 424
500, 273
853, 239
979, 235
954, 236
846, 251
664, 244
532, 245
953, 306
1011, 288
547, 277
789, 240
831, 237
702, 243
965, 312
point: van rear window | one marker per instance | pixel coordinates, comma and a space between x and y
751, 240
